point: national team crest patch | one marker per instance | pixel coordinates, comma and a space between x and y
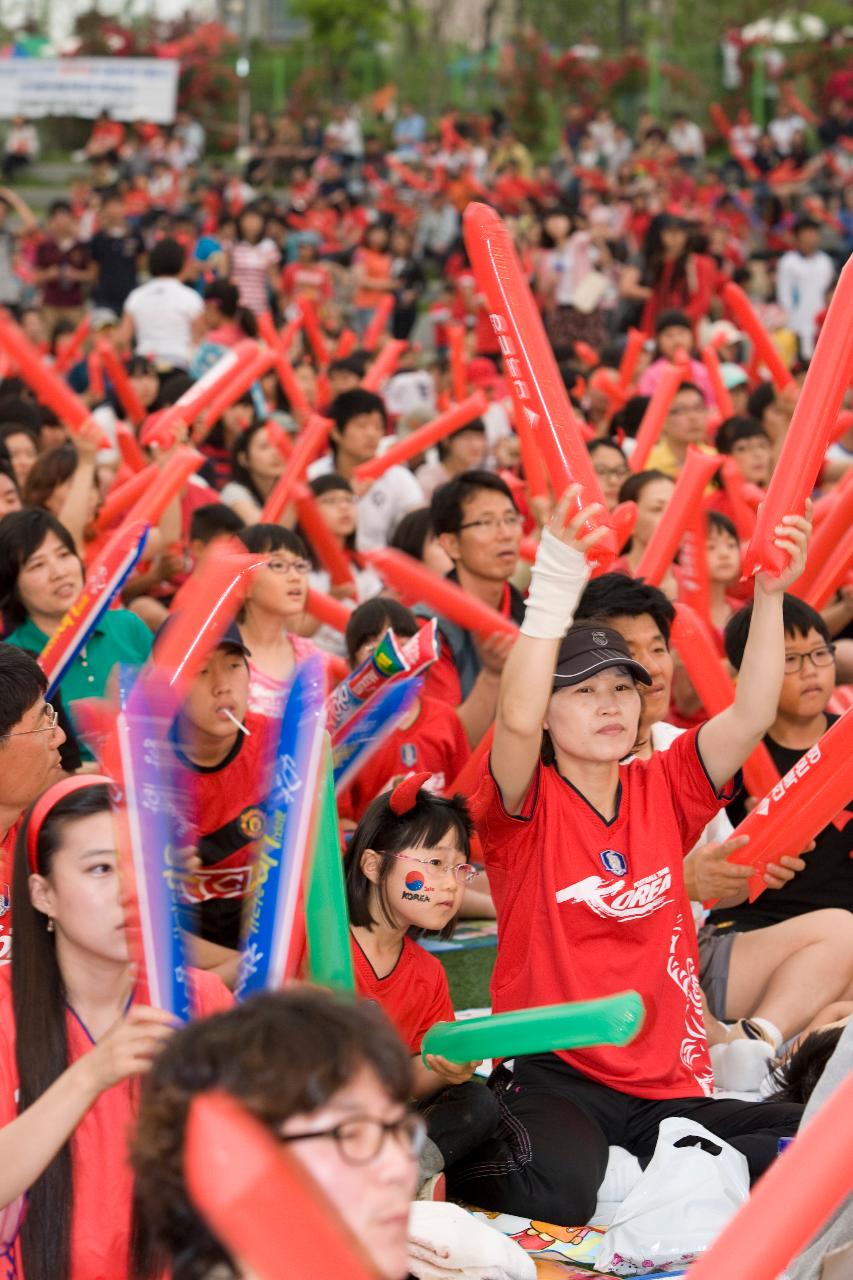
409, 754
414, 881
613, 862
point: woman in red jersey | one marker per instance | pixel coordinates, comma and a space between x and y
584, 859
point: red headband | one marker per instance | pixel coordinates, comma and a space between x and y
405, 795
46, 802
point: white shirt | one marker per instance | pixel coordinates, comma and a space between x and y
381, 509
163, 311
782, 132
801, 287
687, 139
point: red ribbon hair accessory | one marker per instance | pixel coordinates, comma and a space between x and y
405, 795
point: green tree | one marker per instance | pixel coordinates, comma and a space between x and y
345, 30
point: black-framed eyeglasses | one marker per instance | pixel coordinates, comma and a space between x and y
361, 1139
490, 523
52, 716
823, 656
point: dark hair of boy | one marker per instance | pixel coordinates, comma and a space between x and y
798, 619
615, 595
369, 620
213, 520
740, 427
722, 524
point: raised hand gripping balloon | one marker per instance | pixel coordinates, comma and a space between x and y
384, 365
326, 914
806, 441
655, 416
424, 437
624, 519
537, 387
744, 316
799, 805
796, 1195
691, 484
410, 576
260, 1202
267, 946
692, 638
612, 1020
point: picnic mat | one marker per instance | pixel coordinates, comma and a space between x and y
467, 936
558, 1251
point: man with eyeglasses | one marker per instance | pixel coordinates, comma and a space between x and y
477, 523
30, 738
801, 720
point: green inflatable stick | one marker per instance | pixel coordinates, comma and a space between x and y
612, 1020
326, 915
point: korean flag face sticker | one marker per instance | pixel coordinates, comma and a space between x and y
614, 863
414, 882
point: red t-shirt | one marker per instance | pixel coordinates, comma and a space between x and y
228, 802
414, 995
435, 742
588, 908
103, 1179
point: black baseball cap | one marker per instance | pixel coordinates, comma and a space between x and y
230, 638
586, 650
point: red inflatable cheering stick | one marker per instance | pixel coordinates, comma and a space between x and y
537, 387
49, 387
423, 437
801, 804
745, 318
409, 576
259, 1201
827, 550
663, 544
692, 637
655, 416
808, 435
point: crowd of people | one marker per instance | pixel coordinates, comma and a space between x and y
602, 816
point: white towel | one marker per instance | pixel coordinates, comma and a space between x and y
445, 1241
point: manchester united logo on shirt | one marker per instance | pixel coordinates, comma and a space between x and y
614, 862
252, 823
409, 754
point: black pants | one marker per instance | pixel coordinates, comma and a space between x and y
461, 1118
550, 1155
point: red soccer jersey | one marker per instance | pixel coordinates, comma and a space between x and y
7, 851
436, 742
102, 1177
414, 995
588, 908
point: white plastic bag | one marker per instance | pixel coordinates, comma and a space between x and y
694, 1183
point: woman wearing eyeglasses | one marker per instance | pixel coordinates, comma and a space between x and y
406, 868
73, 1042
274, 606
330, 1079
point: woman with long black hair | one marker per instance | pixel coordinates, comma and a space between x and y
73, 1042
668, 275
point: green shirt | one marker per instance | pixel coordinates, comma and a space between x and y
119, 637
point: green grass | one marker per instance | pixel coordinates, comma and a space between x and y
468, 974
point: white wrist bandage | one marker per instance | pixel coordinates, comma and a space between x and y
557, 582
